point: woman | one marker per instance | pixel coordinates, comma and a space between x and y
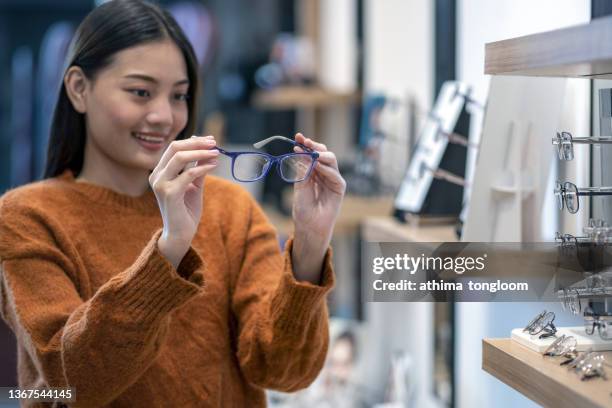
139, 283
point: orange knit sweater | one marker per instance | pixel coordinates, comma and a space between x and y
95, 306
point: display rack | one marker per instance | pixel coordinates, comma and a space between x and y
541, 378
582, 51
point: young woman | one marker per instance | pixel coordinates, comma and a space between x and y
138, 283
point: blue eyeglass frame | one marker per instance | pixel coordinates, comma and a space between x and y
274, 160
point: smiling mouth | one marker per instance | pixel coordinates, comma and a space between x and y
148, 139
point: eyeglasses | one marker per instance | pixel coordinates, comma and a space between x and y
602, 323
597, 232
563, 345
571, 300
588, 364
565, 143
570, 240
542, 323
568, 195
253, 166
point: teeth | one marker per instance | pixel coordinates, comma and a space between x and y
149, 138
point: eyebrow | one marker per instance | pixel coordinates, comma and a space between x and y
153, 80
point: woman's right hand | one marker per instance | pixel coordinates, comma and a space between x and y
180, 196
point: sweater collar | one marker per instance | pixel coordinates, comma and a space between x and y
100, 194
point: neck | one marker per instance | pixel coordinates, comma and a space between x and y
130, 181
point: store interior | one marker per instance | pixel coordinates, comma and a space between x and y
373, 80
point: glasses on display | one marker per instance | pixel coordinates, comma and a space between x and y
597, 232
571, 301
603, 324
568, 195
254, 166
593, 287
565, 143
562, 346
542, 324
570, 240
588, 364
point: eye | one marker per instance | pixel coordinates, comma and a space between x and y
181, 97
142, 93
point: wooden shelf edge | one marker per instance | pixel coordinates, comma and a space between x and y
581, 51
540, 378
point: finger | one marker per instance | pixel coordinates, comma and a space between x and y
319, 147
190, 175
192, 143
179, 161
330, 177
328, 158
300, 138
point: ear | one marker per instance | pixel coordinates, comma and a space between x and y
76, 84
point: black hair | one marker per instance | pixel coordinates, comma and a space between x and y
108, 29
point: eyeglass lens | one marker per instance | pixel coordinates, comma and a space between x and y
541, 323
295, 167
571, 198
567, 150
250, 166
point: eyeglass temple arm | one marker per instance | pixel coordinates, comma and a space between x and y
262, 143
568, 238
594, 139
582, 140
594, 191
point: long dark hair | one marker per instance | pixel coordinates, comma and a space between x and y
108, 29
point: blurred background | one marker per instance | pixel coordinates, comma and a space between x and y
365, 77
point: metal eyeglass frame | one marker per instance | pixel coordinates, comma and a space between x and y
571, 300
274, 160
542, 323
597, 232
603, 324
561, 346
565, 143
569, 189
589, 364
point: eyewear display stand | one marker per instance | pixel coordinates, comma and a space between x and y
581, 51
429, 189
584, 341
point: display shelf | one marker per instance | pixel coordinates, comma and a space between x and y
293, 97
541, 378
583, 51
388, 229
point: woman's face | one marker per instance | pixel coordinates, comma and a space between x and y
141, 94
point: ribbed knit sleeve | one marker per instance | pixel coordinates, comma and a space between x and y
283, 331
101, 345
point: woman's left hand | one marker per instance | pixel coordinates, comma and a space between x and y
316, 205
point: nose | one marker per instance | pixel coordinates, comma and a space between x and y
160, 113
